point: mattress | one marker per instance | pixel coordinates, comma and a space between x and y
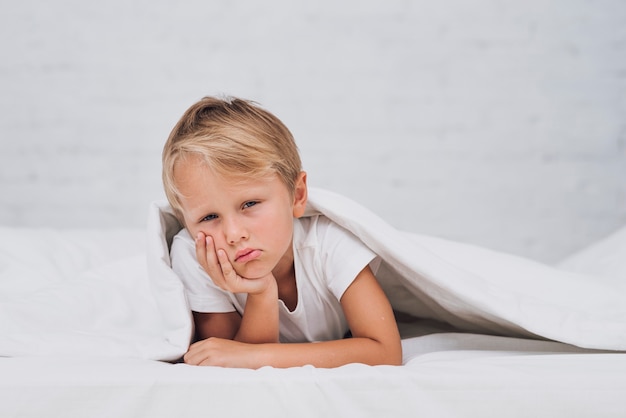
84, 333
447, 374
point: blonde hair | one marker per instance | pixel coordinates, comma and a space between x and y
233, 137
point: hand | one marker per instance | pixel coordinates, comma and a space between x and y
259, 321
222, 353
215, 262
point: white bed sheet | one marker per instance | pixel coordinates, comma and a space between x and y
110, 372
445, 375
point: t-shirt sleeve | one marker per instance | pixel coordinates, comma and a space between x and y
343, 255
202, 294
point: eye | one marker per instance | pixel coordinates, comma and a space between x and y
249, 204
209, 218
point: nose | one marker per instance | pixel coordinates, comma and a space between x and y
234, 231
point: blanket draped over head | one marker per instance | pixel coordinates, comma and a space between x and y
86, 293
471, 288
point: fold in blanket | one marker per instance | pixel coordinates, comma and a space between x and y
471, 288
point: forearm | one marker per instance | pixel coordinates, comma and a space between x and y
259, 322
326, 354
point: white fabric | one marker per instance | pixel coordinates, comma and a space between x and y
327, 258
445, 375
473, 289
77, 292
479, 290
82, 301
87, 292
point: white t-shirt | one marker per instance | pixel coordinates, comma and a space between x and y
327, 259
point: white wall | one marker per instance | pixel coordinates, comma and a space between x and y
497, 122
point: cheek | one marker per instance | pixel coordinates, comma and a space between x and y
281, 228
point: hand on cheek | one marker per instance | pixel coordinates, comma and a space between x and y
219, 268
207, 257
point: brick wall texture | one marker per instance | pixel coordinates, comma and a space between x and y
495, 122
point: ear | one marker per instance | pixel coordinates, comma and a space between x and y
300, 195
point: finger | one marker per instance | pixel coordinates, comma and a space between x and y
191, 357
205, 253
201, 353
201, 249
210, 256
228, 271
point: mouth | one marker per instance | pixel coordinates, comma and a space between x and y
248, 254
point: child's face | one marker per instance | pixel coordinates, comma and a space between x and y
252, 220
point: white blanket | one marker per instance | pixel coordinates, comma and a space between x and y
93, 293
77, 293
476, 289
471, 288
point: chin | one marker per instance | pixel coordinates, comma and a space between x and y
252, 274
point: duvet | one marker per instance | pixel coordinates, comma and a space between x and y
92, 323
113, 293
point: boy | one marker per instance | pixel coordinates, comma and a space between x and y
267, 286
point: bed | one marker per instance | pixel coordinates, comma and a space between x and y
93, 323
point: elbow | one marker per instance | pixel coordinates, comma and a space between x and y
394, 357
390, 354
392, 349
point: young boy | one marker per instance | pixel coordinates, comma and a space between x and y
267, 286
